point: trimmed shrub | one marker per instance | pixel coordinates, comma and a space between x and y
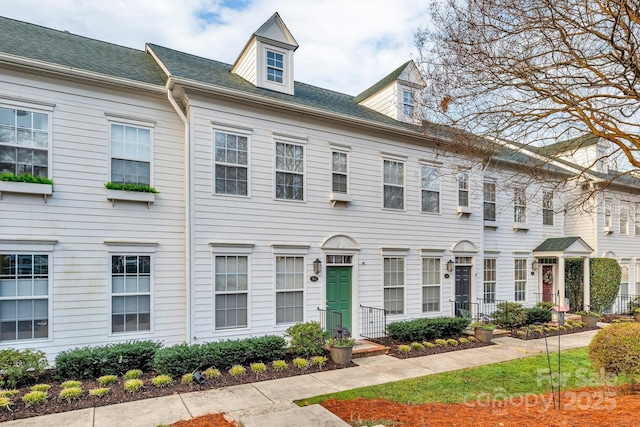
537, 315
306, 339
112, 359
605, 274
616, 348
509, 315
266, 348
425, 329
178, 359
20, 367
225, 354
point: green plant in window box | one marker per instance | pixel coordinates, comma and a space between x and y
25, 177
123, 186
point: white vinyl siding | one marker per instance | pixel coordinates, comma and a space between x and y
393, 285
24, 299
393, 188
289, 171
231, 165
289, 289
520, 275
489, 195
130, 155
430, 284
231, 291
430, 189
130, 293
24, 142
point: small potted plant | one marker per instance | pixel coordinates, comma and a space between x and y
636, 313
483, 328
590, 317
341, 345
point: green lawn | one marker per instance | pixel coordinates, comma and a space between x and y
529, 375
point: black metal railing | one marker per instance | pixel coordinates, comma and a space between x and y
488, 306
330, 320
622, 304
546, 297
373, 322
464, 308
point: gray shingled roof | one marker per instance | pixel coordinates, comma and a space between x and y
556, 244
62, 48
573, 144
391, 77
186, 66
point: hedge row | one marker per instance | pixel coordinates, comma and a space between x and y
181, 359
112, 359
424, 329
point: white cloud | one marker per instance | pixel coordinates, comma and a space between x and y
345, 45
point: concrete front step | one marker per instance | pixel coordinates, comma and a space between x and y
364, 348
313, 415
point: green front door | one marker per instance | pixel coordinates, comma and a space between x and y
339, 294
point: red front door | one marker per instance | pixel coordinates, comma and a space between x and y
547, 283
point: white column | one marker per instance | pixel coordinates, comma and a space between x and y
586, 284
561, 280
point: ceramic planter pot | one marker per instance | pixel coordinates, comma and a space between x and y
483, 335
636, 316
341, 355
589, 319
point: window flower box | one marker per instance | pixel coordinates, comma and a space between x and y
131, 196
19, 187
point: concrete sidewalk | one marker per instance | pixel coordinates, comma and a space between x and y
270, 403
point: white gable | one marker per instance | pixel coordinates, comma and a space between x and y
275, 31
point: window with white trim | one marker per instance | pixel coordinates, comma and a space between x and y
289, 289
519, 206
393, 187
608, 207
430, 284
463, 189
489, 291
339, 172
130, 154
130, 293
547, 207
430, 189
231, 165
24, 142
24, 296
637, 220
408, 103
624, 279
489, 195
275, 66
231, 286
636, 273
289, 171
520, 275
393, 284
624, 218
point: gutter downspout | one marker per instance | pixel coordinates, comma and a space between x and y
188, 211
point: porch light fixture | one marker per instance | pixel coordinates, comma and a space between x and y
450, 265
317, 266
534, 265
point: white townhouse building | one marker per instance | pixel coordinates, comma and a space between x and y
276, 199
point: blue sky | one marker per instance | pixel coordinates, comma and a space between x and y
345, 45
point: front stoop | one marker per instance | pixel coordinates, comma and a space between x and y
364, 348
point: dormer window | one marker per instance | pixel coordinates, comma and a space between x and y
407, 103
275, 66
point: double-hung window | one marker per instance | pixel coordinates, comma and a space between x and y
275, 66
339, 172
430, 284
547, 207
130, 293
289, 171
408, 103
289, 289
489, 195
24, 296
393, 284
519, 206
231, 163
624, 280
24, 142
489, 292
430, 189
624, 218
130, 154
393, 187
463, 189
231, 274
520, 275
637, 219
636, 273
608, 208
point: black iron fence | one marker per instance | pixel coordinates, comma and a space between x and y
546, 297
488, 306
465, 308
623, 304
329, 319
373, 322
